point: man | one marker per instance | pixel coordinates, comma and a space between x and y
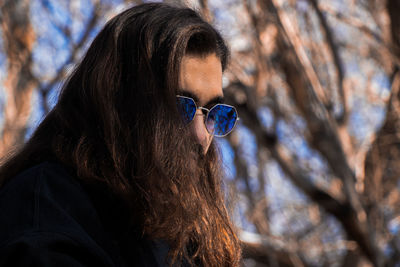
123, 170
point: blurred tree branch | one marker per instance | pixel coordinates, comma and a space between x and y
342, 118
18, 37
44, 89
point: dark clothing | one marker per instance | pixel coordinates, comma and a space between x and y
49, 218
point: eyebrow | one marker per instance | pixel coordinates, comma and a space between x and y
210, 103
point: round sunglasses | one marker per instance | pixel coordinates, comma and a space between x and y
220, 119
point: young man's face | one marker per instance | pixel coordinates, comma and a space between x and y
201, 79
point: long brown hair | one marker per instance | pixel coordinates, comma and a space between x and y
116, 123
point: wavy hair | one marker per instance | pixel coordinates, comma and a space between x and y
116, 123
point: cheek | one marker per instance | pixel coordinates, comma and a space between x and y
210, 125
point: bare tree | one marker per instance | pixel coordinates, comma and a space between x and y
283, 54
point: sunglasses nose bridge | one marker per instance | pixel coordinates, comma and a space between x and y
204, 111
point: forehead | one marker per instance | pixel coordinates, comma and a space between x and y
201, 77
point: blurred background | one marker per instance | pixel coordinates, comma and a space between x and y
312, 169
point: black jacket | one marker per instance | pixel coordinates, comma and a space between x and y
48, 218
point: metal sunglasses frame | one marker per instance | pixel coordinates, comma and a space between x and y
208, 112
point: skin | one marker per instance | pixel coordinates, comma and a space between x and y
201, 79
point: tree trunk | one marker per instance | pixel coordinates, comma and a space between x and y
19, 83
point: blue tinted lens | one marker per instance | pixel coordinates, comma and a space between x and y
187, 108
221, 120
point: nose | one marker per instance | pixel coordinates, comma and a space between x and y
200, 131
